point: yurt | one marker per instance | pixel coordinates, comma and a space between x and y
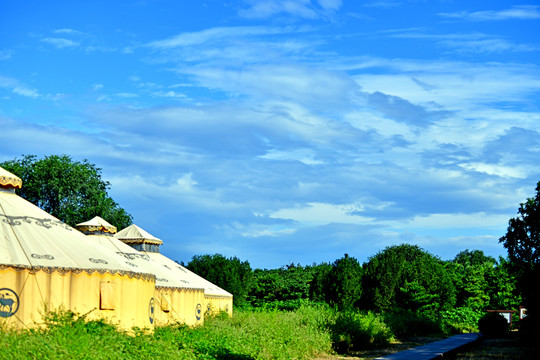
46, 264
216, 299
178, 299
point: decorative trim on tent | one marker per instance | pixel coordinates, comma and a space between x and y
77, 271
218, 296
44, 222
96, 228
177, 288
145, 241
11, 181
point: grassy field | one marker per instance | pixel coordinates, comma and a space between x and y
310, 332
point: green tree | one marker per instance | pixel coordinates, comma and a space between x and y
230, 274
522, 240
408, 278
472, 273
284, 288
72, 191
344, 283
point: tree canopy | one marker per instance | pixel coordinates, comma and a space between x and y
73, 191
406, 277
231, 274
522, 239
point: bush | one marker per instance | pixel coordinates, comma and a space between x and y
493, 325
408, 323
460, 320
352, 331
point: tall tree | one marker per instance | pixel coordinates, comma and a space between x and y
231, 274
72, 191
522, 240
344, 283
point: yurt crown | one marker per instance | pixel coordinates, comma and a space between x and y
8, 180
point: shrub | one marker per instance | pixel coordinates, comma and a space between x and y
460, 320
352, 331
493, 325
408, 323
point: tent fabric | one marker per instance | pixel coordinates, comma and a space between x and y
176, 297
44, 262
216, 299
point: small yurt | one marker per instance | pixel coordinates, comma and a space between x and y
216, 299
46, 264
178, 299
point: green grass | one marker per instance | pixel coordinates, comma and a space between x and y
248, 335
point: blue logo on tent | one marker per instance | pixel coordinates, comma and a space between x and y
198, 311
9, 302
151, 311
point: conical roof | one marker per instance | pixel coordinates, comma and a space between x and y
96, 224
32, 238
134, 234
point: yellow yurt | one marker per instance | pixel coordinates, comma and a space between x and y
46, 263
216, 299
178, 299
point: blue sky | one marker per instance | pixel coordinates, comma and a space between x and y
286, 131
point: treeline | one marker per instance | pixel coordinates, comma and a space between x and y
399, 279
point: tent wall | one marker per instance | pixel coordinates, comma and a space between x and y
217, 304
176, 305
118, 298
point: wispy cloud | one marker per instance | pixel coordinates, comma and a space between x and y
17, 87
5, 54
467, 42
260, 9
524, 12
216, 35
60, 42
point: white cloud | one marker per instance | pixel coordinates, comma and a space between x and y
60, 42
17, 87
458, 221
524, 12
268, 8
316, 214
215, 35
497, 170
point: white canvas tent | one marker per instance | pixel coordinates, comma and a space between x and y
46, 263
178, 298
216, 299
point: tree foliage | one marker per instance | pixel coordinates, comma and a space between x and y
344, 283
230, 274
406, 277
72, 191
522, 240
281, 288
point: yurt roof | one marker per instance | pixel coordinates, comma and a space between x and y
96, 224
134, 234
32, 238
164, 277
